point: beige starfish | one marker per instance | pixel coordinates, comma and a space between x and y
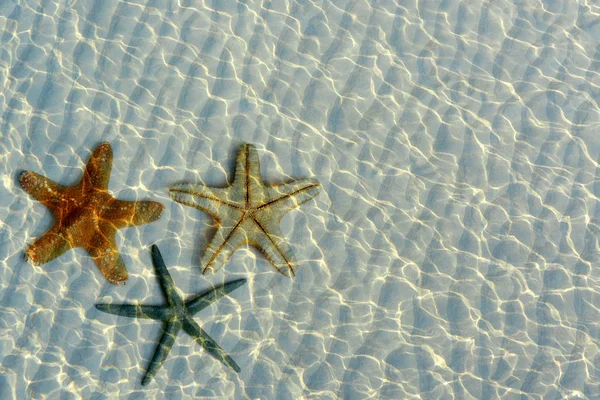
248, 212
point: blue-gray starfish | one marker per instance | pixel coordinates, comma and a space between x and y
176, 315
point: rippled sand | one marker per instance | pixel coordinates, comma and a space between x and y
453, 251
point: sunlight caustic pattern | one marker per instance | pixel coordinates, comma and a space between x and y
453, 251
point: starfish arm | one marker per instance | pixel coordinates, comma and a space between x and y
164, 278
270, 241
103, 250
136, 311
214, 201
227, 240
50, 246
202, 338
205, 299
121, 213
45, 190
282, 198
98, 167
247, 176
165, 344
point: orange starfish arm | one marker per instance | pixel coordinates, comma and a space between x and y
48, 247
121, 213
45, 190
98, 167
103, 250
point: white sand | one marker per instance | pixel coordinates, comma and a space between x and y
453, 250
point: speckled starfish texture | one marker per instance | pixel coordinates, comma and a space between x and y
177, 315
87, 216
248, 212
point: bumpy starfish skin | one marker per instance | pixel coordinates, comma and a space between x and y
86, 216
248, 212
177, 315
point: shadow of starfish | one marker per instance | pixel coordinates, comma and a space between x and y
176, 315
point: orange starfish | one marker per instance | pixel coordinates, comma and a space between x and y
87, 216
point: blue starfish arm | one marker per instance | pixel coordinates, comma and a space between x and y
205, 299
165, 344
165, 279
202, 338
136, 311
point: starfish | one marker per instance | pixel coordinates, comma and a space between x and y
248, 212
86, 216
177, 315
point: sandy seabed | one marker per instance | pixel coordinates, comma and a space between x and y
452, 253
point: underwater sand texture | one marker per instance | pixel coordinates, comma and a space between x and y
452, 252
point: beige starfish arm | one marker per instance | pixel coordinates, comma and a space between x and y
269, 239
50, 246
211, 200
247, 184
121, 213
224, 243
103, 250
282, 198
98, 167
46, 191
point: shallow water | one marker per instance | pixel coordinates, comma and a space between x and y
452, 253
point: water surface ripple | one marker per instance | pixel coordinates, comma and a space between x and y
452, 253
